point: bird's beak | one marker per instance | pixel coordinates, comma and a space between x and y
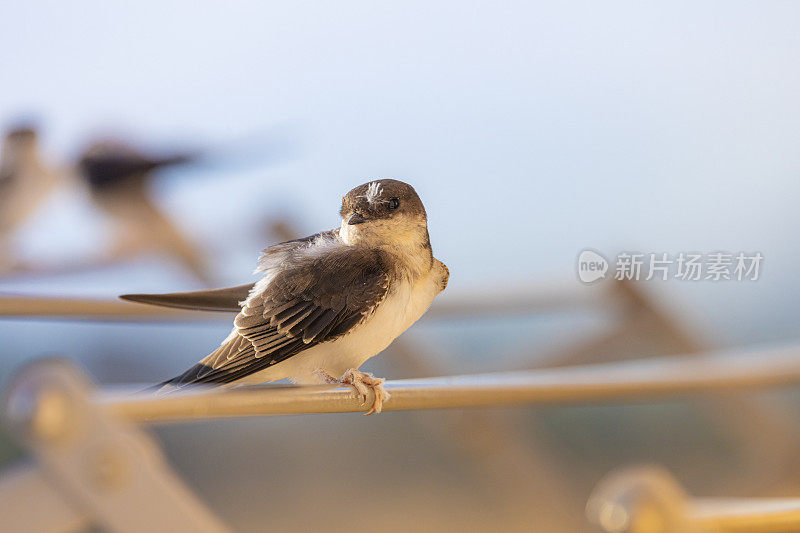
356, 218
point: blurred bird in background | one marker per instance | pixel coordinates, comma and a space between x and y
119, 176
25, 182
119, 179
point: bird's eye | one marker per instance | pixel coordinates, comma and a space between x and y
394, 203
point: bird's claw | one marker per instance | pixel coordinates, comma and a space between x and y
362, 383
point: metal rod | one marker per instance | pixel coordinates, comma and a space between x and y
626, 381
648, 499
755, 515
106, 310
536, 298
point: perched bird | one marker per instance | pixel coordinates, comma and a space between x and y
328, 302
25, 180
119, 178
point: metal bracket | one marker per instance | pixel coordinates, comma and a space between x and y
105, 467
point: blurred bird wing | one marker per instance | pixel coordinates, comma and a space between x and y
227, 299
107, 164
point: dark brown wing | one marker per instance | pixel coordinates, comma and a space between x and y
321, 296
227, 299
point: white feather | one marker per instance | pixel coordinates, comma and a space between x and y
373, 193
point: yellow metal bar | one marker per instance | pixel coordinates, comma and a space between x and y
19, 306
756, 515
647, 499
637, 380
535, 298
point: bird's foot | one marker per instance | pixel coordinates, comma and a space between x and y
362, 383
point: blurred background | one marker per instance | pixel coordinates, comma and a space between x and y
530, 130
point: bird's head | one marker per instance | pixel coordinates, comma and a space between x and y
19, 145
384, 213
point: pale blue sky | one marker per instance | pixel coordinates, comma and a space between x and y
530, 130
